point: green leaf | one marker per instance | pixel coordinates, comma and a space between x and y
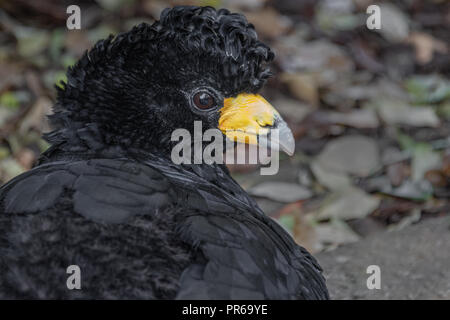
288, 222
68, 61
4, 153
424, 159
428, 89
444, 110
9, 100
406, 142
31, 42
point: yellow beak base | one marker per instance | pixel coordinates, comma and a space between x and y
249, 117
245, 116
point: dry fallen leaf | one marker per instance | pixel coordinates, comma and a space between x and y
359, 118
425, 45
394, 23
77, 42
424, 159
352, 154
281, 191
398, 172
269, 23
26, 158
9, 168
348, 203
36, 117
334, 233
301, 226
292, 110
302, 86
394, 111
330, 179
436, 177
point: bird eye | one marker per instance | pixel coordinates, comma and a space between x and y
203, 100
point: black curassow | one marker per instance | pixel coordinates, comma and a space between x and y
107, 197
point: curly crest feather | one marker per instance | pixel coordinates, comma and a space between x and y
110, 90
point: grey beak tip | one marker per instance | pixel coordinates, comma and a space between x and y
286, 138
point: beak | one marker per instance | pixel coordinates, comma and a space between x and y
249, 118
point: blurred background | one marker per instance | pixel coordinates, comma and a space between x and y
370, 109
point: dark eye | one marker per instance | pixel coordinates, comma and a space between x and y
203, 100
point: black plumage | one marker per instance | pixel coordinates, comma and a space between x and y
107, 197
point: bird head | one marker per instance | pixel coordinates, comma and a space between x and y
194, 64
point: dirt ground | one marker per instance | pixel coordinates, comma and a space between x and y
413, 261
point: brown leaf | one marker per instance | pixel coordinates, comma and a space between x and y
425, 45
351, 154
26, 158
303, 230
36, 117
397, 173
269, 23
77, 42
303, 86
436, 178
359, 118
446, 165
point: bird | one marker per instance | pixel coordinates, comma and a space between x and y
106, 197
